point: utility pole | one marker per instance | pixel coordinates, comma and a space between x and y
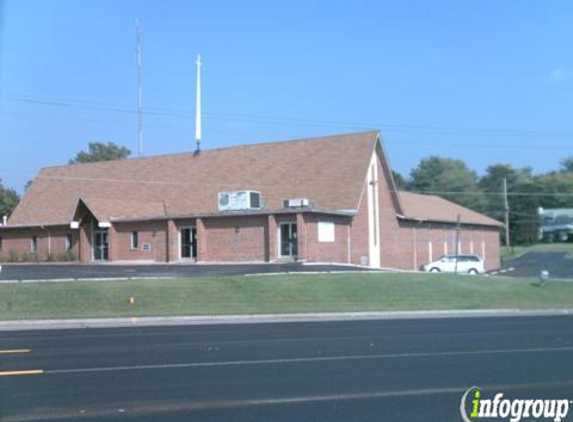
506, 212
458, 225
139, 89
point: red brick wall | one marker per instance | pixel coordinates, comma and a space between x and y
85, 242
336, 251
271, 246
235, 239
51, 240
152, 233
417, 237
359, 233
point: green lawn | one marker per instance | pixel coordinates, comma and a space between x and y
277, 294
517, 251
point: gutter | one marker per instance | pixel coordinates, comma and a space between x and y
463, 223
30, 226
107, 223
342, 213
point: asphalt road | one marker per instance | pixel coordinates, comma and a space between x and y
400, 370
85, 271
532, 263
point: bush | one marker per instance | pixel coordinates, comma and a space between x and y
50, 257
65, 257
13, 256
29, 257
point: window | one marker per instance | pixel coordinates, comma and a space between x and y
134, 240
34, 245
69, 242
255, 200
325, 231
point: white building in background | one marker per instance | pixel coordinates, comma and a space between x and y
556, 225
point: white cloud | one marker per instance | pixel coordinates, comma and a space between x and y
560, 74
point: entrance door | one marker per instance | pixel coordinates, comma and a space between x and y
189, 243
288, 240
101, 245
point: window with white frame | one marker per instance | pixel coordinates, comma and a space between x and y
134, 240
325, 231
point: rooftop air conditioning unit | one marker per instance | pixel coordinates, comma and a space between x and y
242, 200
296, 203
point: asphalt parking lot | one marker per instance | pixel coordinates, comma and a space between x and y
83, 271
532, 263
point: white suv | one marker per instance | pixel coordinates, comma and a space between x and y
469, 264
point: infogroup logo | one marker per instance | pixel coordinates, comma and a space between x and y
474, 407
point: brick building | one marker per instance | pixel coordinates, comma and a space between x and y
329, 199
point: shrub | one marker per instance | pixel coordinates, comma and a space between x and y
64, 257
29, 257
50, 257
13, 256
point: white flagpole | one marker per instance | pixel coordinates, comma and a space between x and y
198, 106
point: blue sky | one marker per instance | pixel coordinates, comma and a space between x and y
486, 81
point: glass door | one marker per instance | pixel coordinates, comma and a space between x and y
288, 240
188, 243
101, 246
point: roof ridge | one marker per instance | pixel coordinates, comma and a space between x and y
209, 151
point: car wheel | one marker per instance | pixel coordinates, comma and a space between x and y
472, 271
434, 270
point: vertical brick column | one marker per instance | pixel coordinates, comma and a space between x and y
172, 242
85, 242
113, 243
159, 242
201, 240
302, 239
271, 241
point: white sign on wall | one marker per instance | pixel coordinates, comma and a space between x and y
325, 231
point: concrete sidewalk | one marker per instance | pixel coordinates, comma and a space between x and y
56, 324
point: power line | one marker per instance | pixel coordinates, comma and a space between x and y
171, 112
395, 143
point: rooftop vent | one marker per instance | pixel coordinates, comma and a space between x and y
242, 200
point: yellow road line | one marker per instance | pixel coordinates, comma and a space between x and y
5, 352
26, 372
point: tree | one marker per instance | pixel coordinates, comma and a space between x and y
8, 200
101, 152
557, 189
449, 178
567, 164
399, 180
523, 218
